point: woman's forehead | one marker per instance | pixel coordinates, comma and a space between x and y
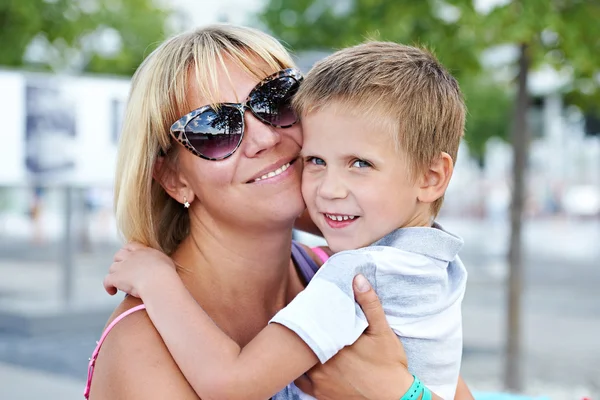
228, 80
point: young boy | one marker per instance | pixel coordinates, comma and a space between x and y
382, 125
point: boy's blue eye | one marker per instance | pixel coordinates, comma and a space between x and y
361, 164
315, 160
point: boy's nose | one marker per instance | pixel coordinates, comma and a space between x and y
332, 187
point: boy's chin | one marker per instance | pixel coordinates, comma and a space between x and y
337, 245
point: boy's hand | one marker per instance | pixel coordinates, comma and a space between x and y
137, 268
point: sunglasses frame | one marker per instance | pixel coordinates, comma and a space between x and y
178, 128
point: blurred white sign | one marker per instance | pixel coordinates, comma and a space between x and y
12, 128
59, 129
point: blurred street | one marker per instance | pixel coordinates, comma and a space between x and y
560, 324
561, 304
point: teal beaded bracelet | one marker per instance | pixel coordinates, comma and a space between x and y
414, 390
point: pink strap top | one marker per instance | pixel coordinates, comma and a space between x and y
86, 393
323, 256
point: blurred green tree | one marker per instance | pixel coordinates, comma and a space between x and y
563, 34
329, 24
488, 114
102, 36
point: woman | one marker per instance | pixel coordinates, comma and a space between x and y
219, 192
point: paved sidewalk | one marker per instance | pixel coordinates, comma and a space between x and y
17, 383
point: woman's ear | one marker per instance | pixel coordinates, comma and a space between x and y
435, 180
172, 181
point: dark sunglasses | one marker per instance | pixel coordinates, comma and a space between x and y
216, 132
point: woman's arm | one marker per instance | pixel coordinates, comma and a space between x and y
462, 391
135, 364
212, 362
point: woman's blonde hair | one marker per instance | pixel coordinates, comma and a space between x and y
144, 211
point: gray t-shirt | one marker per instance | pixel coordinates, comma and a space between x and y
420, 281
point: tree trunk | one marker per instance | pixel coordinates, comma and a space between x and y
520, 143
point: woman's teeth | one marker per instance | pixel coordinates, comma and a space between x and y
339, 217
274, 173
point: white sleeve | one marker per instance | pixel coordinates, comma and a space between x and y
325, 314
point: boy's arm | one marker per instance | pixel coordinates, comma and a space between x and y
212, 362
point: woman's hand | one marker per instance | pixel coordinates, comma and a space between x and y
137, 268
374, 367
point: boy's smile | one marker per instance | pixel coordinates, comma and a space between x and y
339, 221
356, 185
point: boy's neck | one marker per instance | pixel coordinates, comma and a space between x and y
423, 218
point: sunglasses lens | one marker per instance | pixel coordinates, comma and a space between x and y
216, 133
272, 102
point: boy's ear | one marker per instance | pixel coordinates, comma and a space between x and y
172, 181
435, 180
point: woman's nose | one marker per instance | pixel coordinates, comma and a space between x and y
259, 136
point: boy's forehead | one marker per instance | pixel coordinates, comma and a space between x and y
344, 133
380, 125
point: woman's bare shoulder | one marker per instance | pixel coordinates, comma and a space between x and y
134, 362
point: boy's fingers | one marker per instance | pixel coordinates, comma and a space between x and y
115, 266
370, 304
132, 246
120, 255
110, 289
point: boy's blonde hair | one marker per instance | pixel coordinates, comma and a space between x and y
145, 212
407, 86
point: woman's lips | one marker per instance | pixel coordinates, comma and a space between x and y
275, 174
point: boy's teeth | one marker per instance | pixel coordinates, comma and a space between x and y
274, 173
339, 217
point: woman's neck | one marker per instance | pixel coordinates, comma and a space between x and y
240, 279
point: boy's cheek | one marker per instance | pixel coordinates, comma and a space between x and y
307, 184
309, 188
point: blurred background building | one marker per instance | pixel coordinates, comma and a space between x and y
64, 78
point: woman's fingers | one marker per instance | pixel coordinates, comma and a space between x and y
370, 304
305, 384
